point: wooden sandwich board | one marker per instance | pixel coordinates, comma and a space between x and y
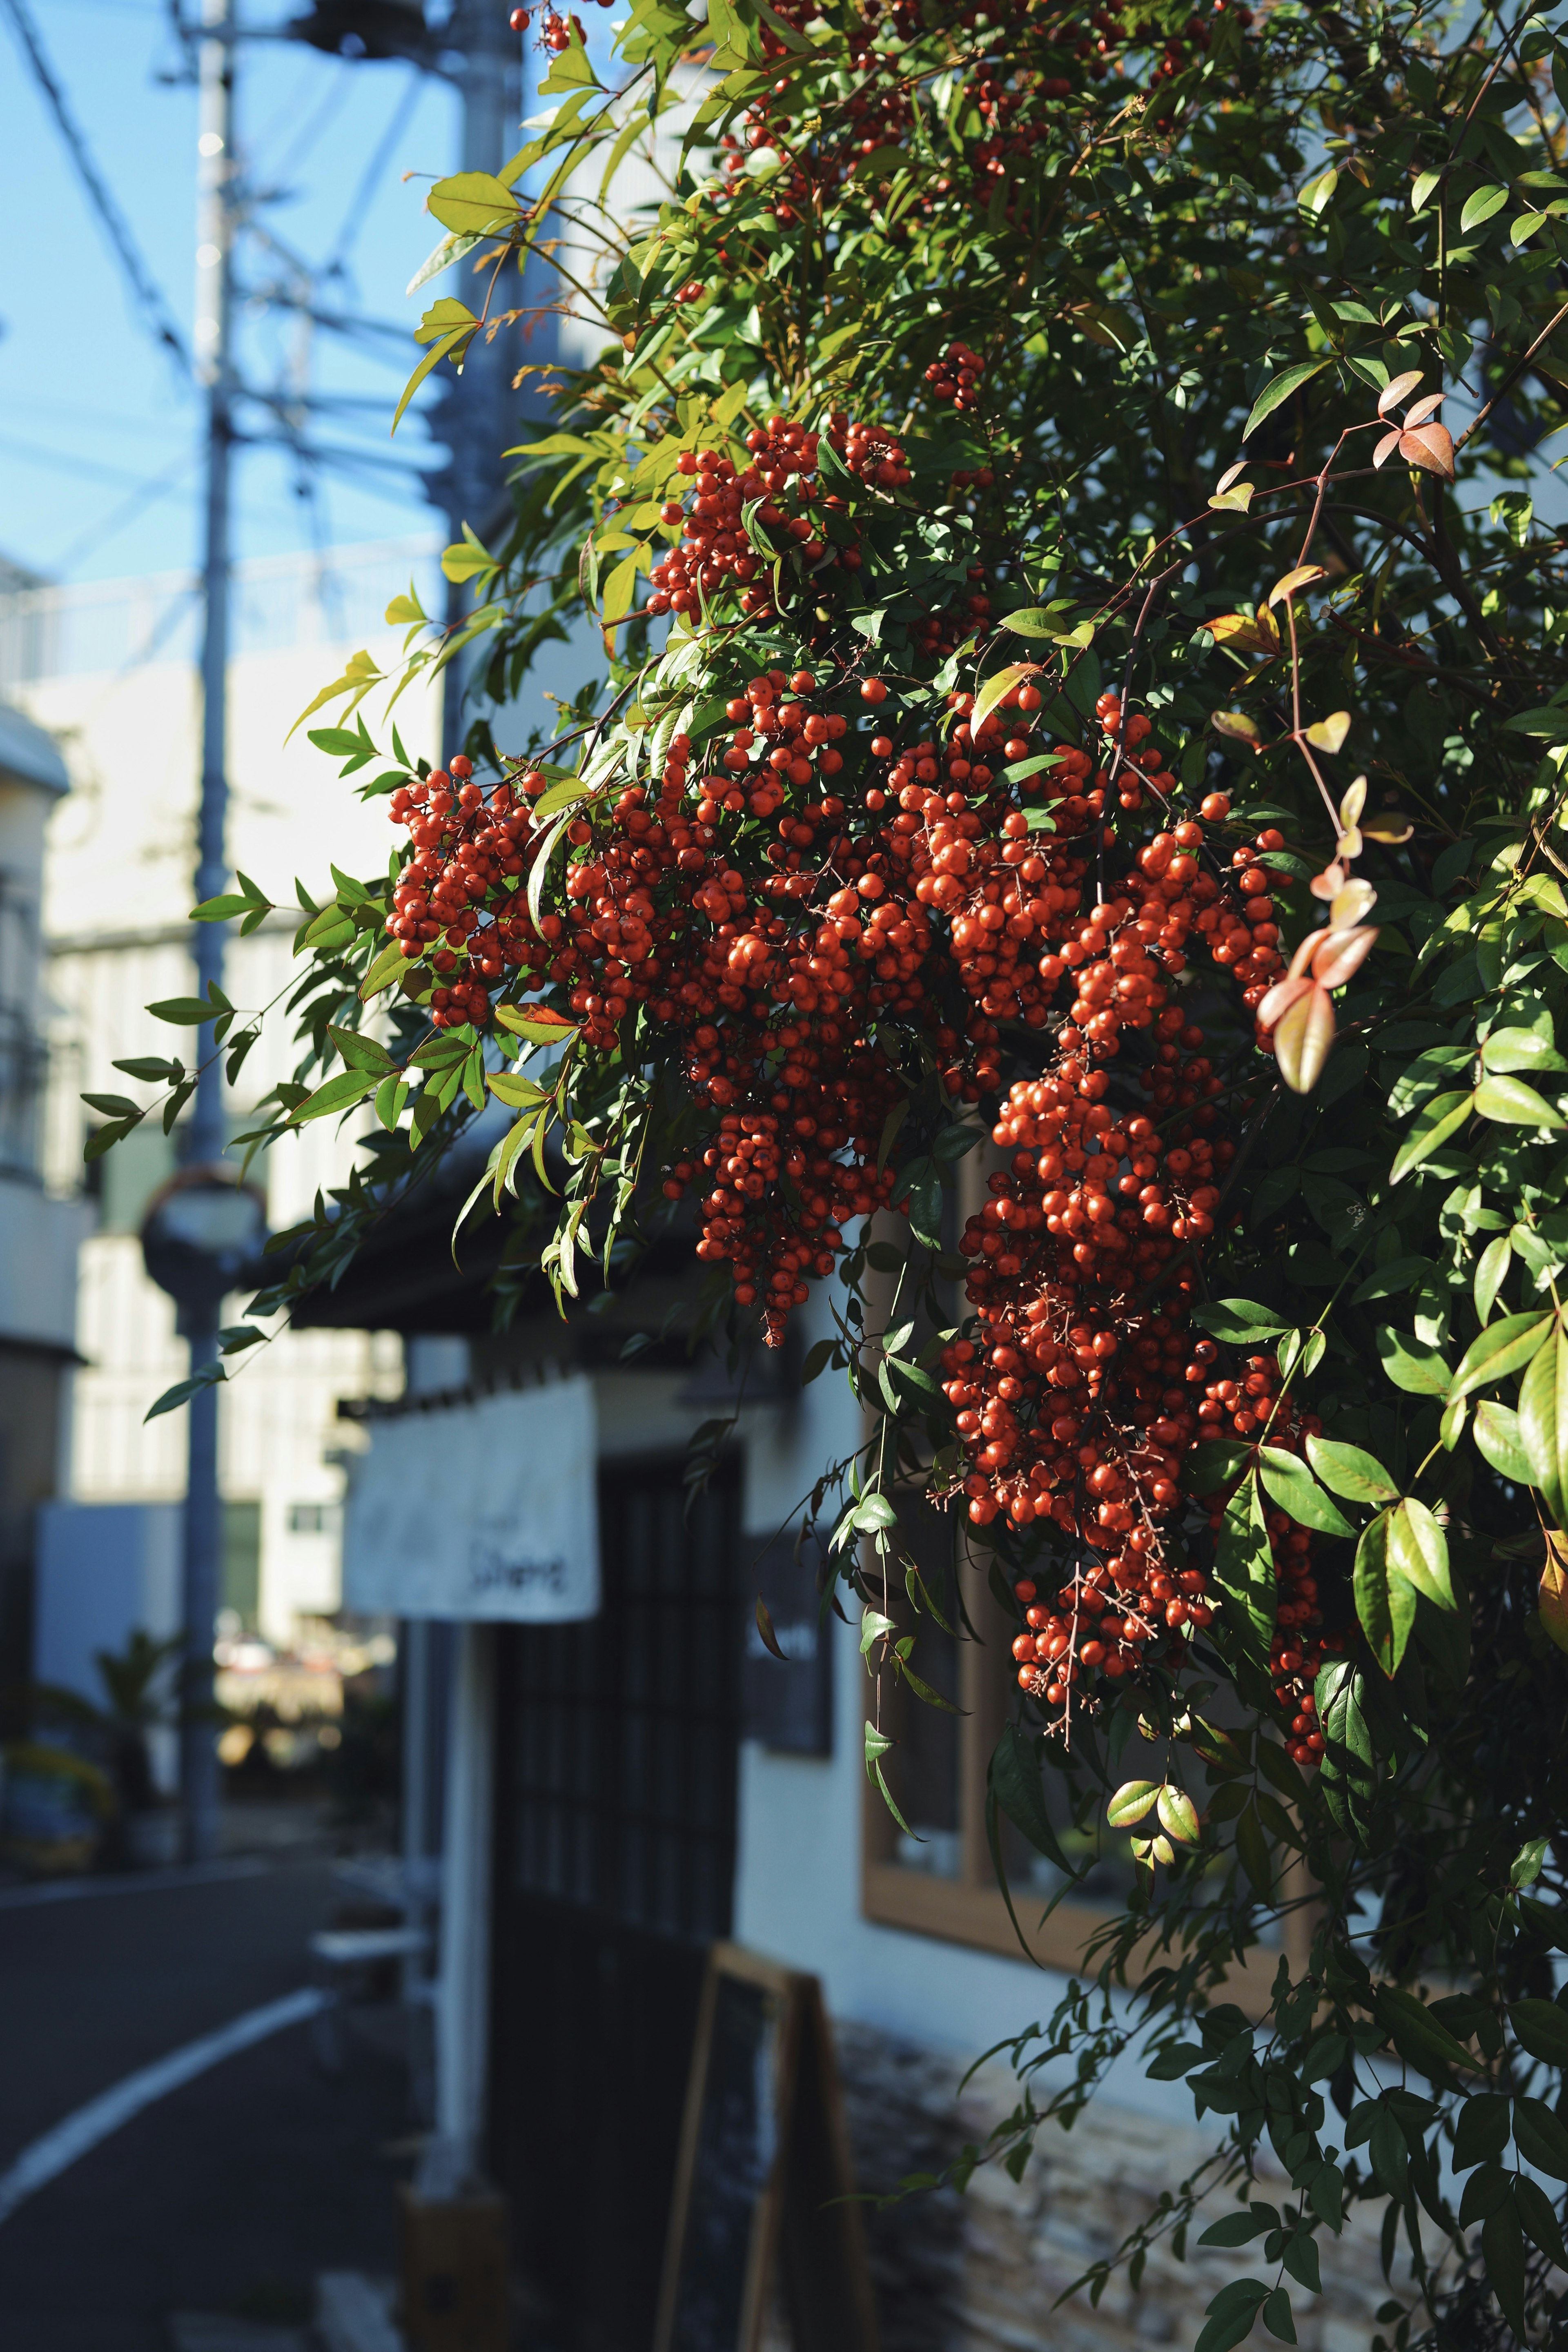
763, 2175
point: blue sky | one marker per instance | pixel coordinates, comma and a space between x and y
90, 407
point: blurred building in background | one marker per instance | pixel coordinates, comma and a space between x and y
40, 1225
108, 670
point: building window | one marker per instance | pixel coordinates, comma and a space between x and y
315, 1518
24, 1060
937, 1877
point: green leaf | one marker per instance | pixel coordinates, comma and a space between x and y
388, 965
1294, 1488
1033, 621
342, 1093
1551, 721
1252, 1852
183, 1391
1542, 2138
1542, 2028
1412, 1364
1244, 1571
187, 1012
108, 1137
391, 1099
1544, 1423
873, 1512
1231, 2315
473, 203
360, 1052
1420, 2039
1178, 1814
1212, 1464
1491, 1272
437, 352
1359, 1477
1240, 2229
1174, 2060
1502, 2247
1480, 206
1237, 1321
1385, 1602
1497, 1435
1017, 1785
620, 589
1300, 2259
1535, 2211
890, 1126
1511, 1101
1390, 1281
1482, 2131
1521, 1049
1418, 1551
1440, 1119
1348, 1777
223, 909
1274, 393
516, 1091
1131, 1802
1497, 1350
1000, 682
537, 1022
1277, 2317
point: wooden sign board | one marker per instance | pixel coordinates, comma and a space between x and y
763, 2166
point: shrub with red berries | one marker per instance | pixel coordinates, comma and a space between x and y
1061, 882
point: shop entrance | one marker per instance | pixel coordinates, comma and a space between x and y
615, 1850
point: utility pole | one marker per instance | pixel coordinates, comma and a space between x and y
491, 80
202, 1549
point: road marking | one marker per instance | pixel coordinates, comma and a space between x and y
79, 2133
136, 1882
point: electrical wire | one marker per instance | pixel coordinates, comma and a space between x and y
158, 486
71, 463
149, 295
329, 103
336, 263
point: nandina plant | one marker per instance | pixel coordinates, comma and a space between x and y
1082, 719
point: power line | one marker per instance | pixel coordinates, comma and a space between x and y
157, 487
353, 219
68, 462
149, 295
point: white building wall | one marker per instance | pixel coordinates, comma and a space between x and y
121, 697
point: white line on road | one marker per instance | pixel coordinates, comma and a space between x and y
136, 1882
48, 2158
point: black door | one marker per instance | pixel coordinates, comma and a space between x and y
616, 1826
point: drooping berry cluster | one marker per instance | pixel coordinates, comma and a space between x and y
766, 927
1073, 1386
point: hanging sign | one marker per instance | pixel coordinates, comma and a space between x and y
485, 1511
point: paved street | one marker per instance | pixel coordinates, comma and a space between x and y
234, 2191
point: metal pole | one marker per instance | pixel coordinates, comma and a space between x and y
213, 320
491, 86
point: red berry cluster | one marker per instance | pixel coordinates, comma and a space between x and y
1032, 95
766, 930
777, 488
954, 379
465, 850
1073, 1395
